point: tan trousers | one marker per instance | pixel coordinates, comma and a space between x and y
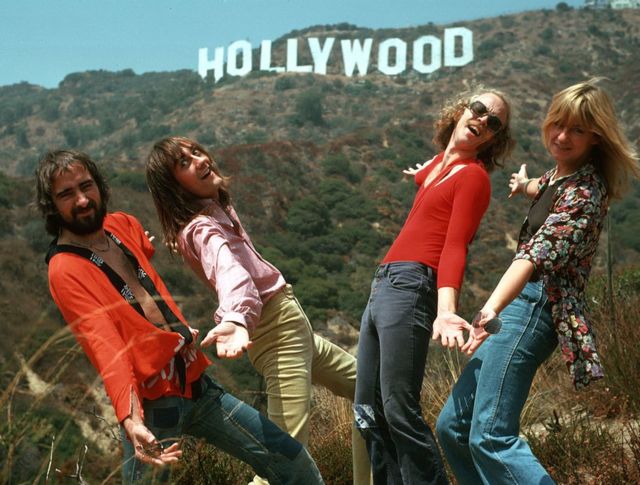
291, 357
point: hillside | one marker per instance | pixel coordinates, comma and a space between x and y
316, 165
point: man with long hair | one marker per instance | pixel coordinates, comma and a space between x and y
415, 290
133, 333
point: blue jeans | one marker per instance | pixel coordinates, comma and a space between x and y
231, 425
392, 351
479, 426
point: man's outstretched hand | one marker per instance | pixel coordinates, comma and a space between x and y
147, 447
449, 327
414, 170
231, 340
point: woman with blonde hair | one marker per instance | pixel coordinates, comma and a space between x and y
540, 298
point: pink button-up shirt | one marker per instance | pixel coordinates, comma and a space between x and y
220, 252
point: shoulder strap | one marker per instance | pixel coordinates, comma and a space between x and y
114, 277
172, 320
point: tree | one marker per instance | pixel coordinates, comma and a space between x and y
308, 217
309, 108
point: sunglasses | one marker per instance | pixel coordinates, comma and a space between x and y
479, 109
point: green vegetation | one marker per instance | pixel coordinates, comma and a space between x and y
309, 108
316, 175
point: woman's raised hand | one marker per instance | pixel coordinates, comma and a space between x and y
413, 171
518, 181
479, 333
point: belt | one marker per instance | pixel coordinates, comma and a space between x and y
199, 386
384, 268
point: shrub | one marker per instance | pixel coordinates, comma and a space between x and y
22, 139
307, 217
547, 34
340, 166
577, 447
50, 109
151, 132
330, 442
203, 464
256, 136
615, 317
33, 231
78, 135
284, 83
207, 138
542, 50
309, 108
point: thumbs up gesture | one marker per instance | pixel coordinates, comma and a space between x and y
518, 182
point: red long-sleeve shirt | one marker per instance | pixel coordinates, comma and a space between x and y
443, 220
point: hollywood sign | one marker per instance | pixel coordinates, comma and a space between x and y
429, 53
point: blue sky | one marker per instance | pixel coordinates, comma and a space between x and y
41, 41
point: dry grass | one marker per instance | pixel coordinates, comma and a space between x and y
330, 437
589, 437
579, 450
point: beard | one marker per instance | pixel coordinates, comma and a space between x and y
87, 224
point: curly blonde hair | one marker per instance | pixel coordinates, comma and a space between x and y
499, 147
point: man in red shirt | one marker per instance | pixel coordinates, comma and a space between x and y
138, 340
415, 291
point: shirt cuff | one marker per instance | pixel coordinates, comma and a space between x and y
235, 317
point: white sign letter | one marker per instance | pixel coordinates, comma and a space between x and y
319, 54
232, 58
418, 54
265, 58
355, 55
450, 58
292, 58
401, 56
205, 65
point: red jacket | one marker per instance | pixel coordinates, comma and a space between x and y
131, 354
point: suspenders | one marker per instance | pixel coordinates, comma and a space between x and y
172, 320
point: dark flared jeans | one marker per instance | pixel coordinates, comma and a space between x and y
392, 351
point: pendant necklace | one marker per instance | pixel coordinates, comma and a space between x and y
92, 247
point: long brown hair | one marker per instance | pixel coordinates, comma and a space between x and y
50, 165
176, 206
591, 107
500, 145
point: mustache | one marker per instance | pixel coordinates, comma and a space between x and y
77, 210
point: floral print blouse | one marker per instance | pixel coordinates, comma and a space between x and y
561, 251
